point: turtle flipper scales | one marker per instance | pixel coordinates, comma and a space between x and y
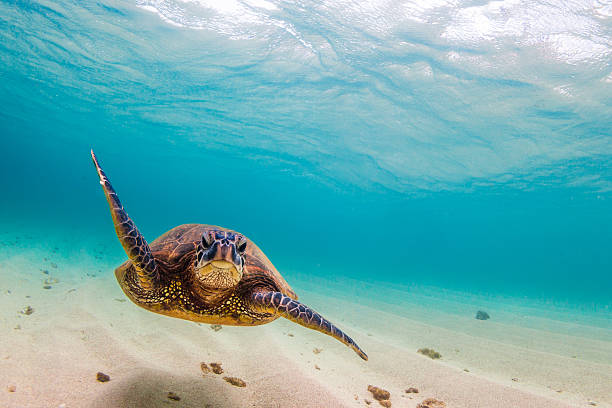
131, 239
281, 305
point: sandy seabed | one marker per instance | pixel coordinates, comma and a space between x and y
84, 324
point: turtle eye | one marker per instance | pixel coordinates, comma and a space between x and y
207, 241
242, 245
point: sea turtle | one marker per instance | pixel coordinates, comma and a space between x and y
208, 274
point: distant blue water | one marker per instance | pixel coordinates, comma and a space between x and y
466, 147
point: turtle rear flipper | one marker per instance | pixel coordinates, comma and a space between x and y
279, 304
131, 239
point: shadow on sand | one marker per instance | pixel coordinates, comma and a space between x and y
150, 388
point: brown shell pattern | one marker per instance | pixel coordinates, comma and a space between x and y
175, 243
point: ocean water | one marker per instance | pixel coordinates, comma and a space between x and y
375, 150
460, 145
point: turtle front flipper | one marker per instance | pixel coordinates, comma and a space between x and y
132, 241
279, 304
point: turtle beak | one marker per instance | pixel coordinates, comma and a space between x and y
227, 254
224, 269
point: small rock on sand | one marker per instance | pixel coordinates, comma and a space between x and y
431, 353
431, 403
235, 381
378, 393
317, 350
412, 390
482, 315
28, 310
173, 396
205, 368
102, 377
216, 327
11, 388
216, 368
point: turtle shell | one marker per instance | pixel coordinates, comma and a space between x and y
172, 246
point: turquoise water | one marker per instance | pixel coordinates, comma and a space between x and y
462, 146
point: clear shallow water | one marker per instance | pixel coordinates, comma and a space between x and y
456, 144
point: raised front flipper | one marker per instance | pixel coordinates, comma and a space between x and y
279, 304
134, 244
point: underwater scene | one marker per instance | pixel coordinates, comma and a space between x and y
270, 203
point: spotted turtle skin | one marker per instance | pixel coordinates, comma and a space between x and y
175, 252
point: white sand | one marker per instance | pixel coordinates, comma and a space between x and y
85, 324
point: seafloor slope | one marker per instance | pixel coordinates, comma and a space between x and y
82, 324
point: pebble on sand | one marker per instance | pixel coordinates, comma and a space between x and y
380, 395
412, 390
173, 396
205, 368
235, 381
317, 350
431, 353
216, 327
100, 376
482, 315
431, 403
216, 368
28, 310
11, 388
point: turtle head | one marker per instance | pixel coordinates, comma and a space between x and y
219, 259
